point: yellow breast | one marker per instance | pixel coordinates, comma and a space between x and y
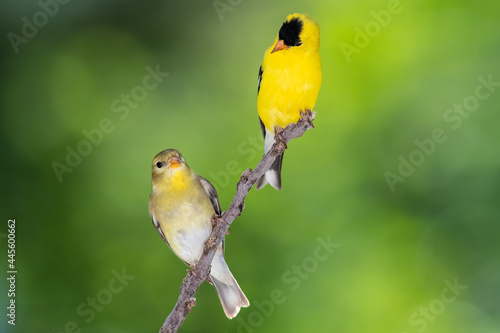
184, 211
290, 82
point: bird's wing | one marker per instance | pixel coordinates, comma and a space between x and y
260, 79
262, 126
212, 194
214, 198
263, 129
156, 223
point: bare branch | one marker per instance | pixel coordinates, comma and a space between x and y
195, 278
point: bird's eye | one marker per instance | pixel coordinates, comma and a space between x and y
159, 165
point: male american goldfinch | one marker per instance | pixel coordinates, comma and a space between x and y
181, 206
289, 81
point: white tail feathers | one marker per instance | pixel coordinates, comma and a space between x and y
231, 296
273, 175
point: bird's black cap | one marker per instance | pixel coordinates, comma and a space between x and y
290, 32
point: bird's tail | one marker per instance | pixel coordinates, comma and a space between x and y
273, 175
230, 294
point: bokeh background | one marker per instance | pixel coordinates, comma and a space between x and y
394, 247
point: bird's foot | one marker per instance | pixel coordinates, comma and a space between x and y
279, 140
307, 116
218, 219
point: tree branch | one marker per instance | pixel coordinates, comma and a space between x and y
195, 278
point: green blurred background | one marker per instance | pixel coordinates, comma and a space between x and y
395, 248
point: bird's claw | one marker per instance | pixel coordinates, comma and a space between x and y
217, 219
308, 116
279, 139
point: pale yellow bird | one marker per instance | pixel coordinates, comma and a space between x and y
181, 206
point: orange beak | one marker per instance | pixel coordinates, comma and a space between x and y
280, 45
174, 162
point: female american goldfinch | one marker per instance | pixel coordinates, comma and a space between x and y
181, 206
289, 81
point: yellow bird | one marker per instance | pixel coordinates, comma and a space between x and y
289, 81
181, 206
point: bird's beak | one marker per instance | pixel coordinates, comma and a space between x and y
280, 45
174, 162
